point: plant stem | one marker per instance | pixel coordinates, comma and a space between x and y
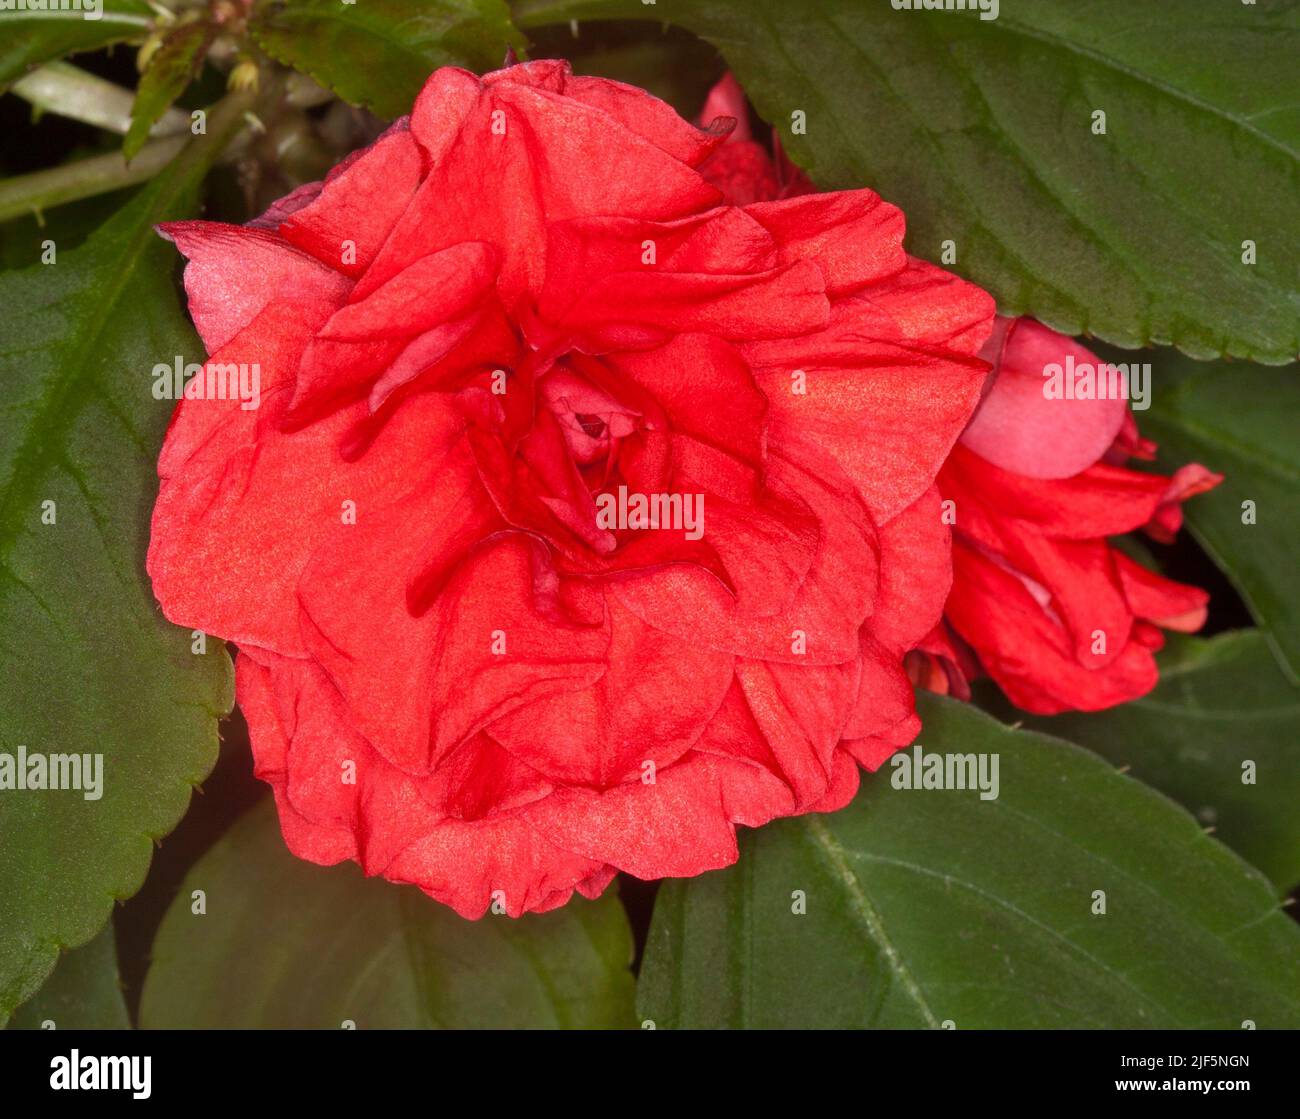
84, 178
100, 174
61, 88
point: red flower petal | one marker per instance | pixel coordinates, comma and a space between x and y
1019, 428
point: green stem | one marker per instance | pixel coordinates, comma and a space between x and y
61, 88
101, 174
84, 178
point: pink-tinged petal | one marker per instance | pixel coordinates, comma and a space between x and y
278, 211
1020, 428
226, 546
273, 344
235, 271
443, 107
551, 74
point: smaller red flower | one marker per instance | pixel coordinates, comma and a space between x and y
1055, 614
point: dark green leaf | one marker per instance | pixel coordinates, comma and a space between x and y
84, 993
87, 663
1220, 703
669, 62
927, 906
173, 66
286, 944
29, 38
1240, 420
377, 53
982, 132
22, 240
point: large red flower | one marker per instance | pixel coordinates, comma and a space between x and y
522, 306
1056, 615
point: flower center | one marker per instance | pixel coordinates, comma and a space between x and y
591, 420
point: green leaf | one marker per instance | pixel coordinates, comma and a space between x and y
287, 944
84, 993
23, 240
1219, 703
87, 663
29, 38
173, 66
982, 132
377, 53
668, 62
1239, 420
926, 906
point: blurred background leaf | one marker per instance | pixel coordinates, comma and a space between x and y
314, 947
29, 37
378, 53
670, 62
1239, 420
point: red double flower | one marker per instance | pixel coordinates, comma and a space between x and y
527, 298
